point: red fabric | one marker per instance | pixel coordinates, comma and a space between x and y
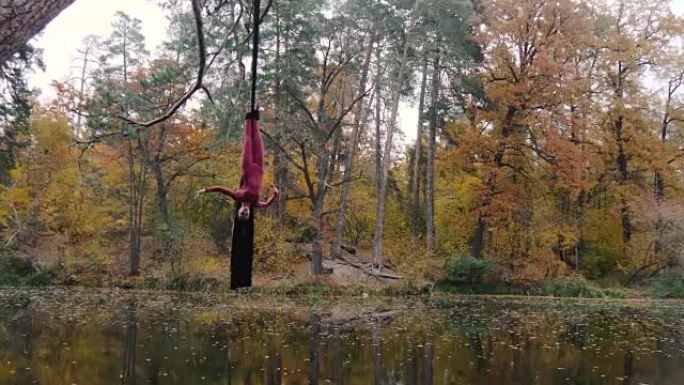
251, 167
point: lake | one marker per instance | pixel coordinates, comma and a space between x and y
65, 337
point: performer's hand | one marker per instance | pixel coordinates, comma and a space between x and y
200, 192
276, 193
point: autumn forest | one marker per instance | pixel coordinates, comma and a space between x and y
549, 146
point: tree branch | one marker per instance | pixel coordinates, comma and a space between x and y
201, 49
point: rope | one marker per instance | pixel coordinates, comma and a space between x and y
255, 49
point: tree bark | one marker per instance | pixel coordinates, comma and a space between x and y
20, 20
387, 159
415, 185
623, 179
350, 150
431, 149
317, 244
133, 233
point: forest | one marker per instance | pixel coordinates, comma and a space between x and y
549, 147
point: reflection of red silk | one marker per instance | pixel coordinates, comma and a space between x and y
251, 166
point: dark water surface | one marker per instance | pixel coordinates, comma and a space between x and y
57, 337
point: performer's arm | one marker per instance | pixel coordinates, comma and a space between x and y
235, 195
269, 202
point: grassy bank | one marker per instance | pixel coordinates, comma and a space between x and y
14, 273
324, 287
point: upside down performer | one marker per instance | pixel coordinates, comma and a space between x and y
252, 169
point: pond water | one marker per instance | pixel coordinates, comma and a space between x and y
60, 337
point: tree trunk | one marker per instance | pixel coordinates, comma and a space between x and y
660, 222
490, 185
431, 149
20, 20
623, 178
136, 192
478, 238
156, 165
622, 165
280, 170
387, 160
415, 185
162, 204
317, 244
133, 231
350, 150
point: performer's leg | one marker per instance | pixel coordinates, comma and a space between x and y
247, 144
258, 146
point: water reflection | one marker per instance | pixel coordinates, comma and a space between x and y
150, 339
131, 326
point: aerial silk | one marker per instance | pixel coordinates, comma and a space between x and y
242, 249
242, 246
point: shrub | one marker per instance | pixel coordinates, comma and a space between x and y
599, 260
13, 265
271, 253
669, 285
576, 288
467, 269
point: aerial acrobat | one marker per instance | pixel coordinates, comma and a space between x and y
252, 170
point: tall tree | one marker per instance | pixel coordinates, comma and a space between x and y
15, 106
124, 53
381, 187
635, 36
431, 150
524, 52
323, 106
351, 148
418, 154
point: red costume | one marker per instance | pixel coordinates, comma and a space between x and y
252, 167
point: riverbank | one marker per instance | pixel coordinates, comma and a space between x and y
571, 288
346, 281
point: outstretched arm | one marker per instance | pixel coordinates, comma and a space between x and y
237, 196
269, 202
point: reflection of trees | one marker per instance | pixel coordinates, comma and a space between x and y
428, 362
186, 342
337, 357
479, 355
128, 375
375, 351
273, 365
413, 366
628, 373
314, 331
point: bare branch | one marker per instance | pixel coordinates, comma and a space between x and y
201, 49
